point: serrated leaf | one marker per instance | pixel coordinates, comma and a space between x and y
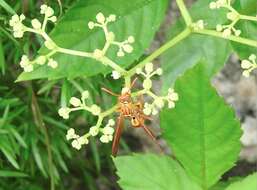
140, 19
248, 28
195, 47
202, 130
151, 172
248, 183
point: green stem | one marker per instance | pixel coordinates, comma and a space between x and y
250, 18
184, 12
159, 51
109, 62
231, 38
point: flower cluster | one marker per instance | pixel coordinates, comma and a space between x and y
79, 104
248, 65
102, 21
17, 25
159, 101
199, 25
232, 15
77, 141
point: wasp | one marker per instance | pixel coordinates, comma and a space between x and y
133, 110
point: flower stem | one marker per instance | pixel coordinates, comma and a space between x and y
159, 51
232, 38
250, 18
184, 12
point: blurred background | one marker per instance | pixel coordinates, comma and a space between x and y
33, 150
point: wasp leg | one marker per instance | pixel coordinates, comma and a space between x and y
109, 92
118, 131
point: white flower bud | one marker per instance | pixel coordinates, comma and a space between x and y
154, 111
147, 84
43, 9
85, 94
64, 112
159, 71
104, 139
111, 18
147, 111
232, 16
83, 140
138, 71
108, 130
131, 39
36, 24
24, 61
120, 53
93, 131
96, 110
226, 33
246, 64
49, 12
53, 19
41, 60
127, 48
159, 102
237, 32
71, 134
52, 63
246, 73
115, 75
75, 102
100, 18
171, 104
28, 68
75, 144
219, 28
91, 25
213, 5
149, 68
111, 122
252, 57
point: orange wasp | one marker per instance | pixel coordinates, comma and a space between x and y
131, 110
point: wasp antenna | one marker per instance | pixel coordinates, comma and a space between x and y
133, 83
109, 92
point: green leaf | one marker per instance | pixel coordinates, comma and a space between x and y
38, 158
140, 19
195, 47
7, 7
248, 183
248, 28
151, 172
10, 173
10, 157
202, 130
2, 60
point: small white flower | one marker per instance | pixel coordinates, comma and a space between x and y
138, 71
246, 64
71, 134
52, 63
83, 140
154, 111
64, 112
159, 71
226, 33
127, 48
108, 130
104, 139
96, 110
91, 25
213, 5
41, 60
49, 12
171, 104
53, 19
111, 122
120, 53
159, 102
147, 109
36, 24
24, 61
94, 130
246, 73
219, 27
131, 39
252, 57
115, 75
28, 68
111, 18
237, 32
232, 16
76, 144
172, 95
149, 68
85, 94
100, 18
43, 9
17, 26
75, 102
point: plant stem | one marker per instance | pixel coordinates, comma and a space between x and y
184, 12
159, 51
232, 38
250, 18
